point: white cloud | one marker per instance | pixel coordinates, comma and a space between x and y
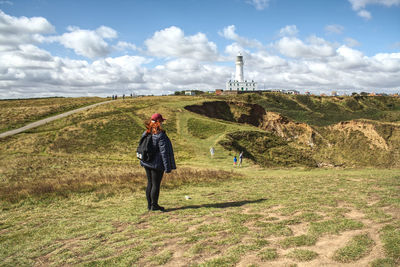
350, 42
258, 4
28, 70
106, 32
334, 28
87, 43
289, 30
263, 60
172, 42
6, 3
50, 75
364, 14
387, 62
234, 49
188, 73
125, 46
19, 30
348, 58
24, 25
296, 48
229, 33
259, 60
360, 5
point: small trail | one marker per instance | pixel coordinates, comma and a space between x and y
44, 121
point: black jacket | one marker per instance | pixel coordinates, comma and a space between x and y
164, 159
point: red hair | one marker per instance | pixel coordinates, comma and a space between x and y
153, 127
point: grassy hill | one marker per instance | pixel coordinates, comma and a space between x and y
249, 123
71, 191
19, 112
312, 131
323, 111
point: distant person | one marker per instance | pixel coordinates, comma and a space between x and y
112, 97
163, 161
212, 151
240, 158
234, 160
123, 96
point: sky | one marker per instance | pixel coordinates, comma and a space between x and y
77, 48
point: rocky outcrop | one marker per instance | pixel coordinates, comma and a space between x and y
368, 129
291, 131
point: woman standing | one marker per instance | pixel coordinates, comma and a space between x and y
163, 160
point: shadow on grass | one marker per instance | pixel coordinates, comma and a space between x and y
218, 205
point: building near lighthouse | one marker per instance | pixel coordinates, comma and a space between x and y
239, 83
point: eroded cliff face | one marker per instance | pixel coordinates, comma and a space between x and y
362, 143
214, 109
301, 133
348, 143
368, 129
230, 111
256, 115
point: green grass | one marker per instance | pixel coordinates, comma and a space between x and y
369, 139
268, 254
323, 111
274, 229
302, 255
203, 129
390, 235
334, 226
383, 263
93, 228
72, 193
266, 149
309, 216
358, 247
162, 258
298, 241
19, 112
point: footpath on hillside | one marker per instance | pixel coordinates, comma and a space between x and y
47, 120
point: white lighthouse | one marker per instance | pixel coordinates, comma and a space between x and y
239, 83
239, 68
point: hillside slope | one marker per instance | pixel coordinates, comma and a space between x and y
354, 143
96, 148
19, 112
72, 191
324, 111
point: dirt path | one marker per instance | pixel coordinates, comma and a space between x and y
44, 121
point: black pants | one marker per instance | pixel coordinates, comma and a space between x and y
153, 186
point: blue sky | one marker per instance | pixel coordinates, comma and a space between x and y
76, 48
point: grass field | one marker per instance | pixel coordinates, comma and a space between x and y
281, 217
72, 193
19, 112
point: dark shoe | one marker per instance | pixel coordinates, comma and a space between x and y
157, 207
